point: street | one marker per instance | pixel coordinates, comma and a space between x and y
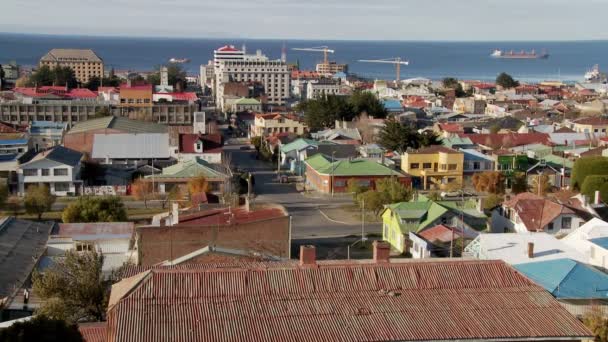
308, 220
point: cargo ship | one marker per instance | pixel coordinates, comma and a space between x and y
519, 55
179, 60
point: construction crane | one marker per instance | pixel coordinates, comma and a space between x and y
395, 60
323, 49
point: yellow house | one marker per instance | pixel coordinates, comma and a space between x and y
596, 125
434, 167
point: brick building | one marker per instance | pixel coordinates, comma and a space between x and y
327, 177
264, 231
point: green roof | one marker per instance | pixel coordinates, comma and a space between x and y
118, 123
190, 169
449, 142
558, 162
355, 167
247, 101
298, 144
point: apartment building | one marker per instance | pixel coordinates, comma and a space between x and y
435, 167
323, 87
84, 62
273, 75
331, 68
69, 111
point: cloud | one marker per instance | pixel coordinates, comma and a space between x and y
313, 19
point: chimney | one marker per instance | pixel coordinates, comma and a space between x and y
382, 252
597, 200
308, 256
530, 250
175, 213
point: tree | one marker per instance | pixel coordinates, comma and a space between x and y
489, 181
44, 76
587, 166
519, 183
175, 194
65, 76
13, 205
323, 112
197, 185
595, 321
541, 184
373, 201
506, 81
103, 112
142, 190
354, 187
429, 138
395, 190
73, 288
492, 201
95, 209
93, 84
41, 329
38, 199
452, 83
396, 136
175, 73
364, 102
595, 183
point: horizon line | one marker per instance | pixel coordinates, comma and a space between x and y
106, 36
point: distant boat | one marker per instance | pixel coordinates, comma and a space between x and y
519, 55
595, 75
179, 60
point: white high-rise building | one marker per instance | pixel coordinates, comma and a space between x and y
227, 53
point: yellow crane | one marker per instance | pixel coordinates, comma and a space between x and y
323, 49
394, 60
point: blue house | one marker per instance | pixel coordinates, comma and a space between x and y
578, 286
392, 106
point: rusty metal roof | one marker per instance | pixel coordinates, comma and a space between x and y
93, 332
440, 300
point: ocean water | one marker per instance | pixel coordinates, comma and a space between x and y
568, 61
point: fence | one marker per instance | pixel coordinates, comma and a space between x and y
106, 190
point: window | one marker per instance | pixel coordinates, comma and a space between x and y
364, 182
340, 183
550, 226
476, 166
81, 247
414, 165
46, 172
427, 165
566, 222
452, 167
62, 187
60, 172
30, 172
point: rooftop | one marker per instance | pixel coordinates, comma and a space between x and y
347, 301
356, 167
435, 149
94, 230
131, 146
71, 55
536, 212
59, 154
118, 123
227, 216
189, 169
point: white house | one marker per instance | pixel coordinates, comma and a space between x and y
591, 240
58, 168
527, 212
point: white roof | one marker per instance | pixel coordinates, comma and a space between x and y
512, 248
579, 238
568, 138
131, 146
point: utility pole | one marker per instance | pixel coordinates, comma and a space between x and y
333, 169
363, 238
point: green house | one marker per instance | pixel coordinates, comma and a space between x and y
399, 219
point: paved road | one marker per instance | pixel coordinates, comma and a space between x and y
308, 222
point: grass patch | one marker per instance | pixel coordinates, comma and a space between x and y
355, 211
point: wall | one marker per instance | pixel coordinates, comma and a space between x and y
83, 141
157, 244
51, 179
322, 182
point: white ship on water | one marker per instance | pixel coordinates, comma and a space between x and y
179, 60
594, 75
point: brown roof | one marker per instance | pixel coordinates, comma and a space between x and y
509, 139
93, 332
536, 212
338, 301
564, 129
592, 120
435, 149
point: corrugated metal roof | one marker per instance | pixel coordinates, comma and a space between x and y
93, 332
131, 146
338, 302
93, 228
118, 123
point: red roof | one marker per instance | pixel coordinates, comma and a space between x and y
57, 91
306, 74
228, 48
534, 211
136, 86
226, 216
93, 332
594, 120
212, 143
338, 301
184, 96
442, 233
451, 127
509, 139
107, 90
484, 85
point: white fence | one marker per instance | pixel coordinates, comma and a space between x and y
106, 190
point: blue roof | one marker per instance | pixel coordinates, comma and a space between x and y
392, 105
470, 154
8, 157
602, 242
41, 126
14, 142
567, 279
339, 75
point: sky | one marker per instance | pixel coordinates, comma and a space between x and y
464, 20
